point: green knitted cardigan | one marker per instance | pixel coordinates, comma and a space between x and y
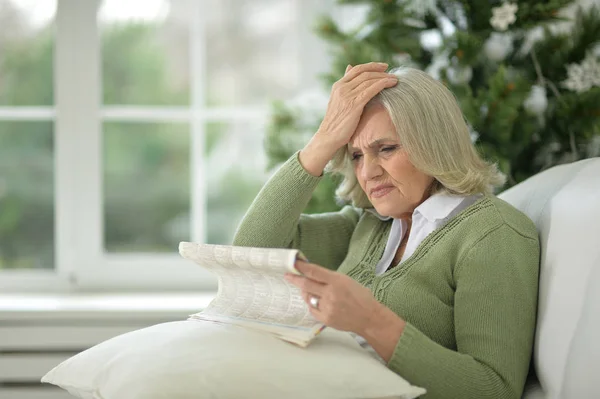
468, 293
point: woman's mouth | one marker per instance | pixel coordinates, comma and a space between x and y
381, 192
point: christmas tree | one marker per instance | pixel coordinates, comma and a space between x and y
526, 75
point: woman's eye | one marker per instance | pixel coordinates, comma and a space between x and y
389, 149
356, 156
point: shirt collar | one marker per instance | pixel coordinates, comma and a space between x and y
436, 207
439, 206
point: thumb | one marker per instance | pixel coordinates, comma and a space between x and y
348, 68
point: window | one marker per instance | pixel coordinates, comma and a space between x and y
27, 36
127, 126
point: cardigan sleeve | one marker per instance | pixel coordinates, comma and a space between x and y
494, 321
275, 219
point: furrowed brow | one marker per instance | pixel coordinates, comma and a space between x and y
373, 144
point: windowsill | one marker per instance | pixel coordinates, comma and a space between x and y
81, 306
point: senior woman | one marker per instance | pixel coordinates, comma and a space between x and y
438, 276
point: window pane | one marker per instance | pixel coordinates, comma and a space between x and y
26, 195
252, 51
145, 56
235, 173
146, 187
26, 52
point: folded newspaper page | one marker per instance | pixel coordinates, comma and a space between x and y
252, 291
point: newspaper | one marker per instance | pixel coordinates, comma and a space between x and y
252, 290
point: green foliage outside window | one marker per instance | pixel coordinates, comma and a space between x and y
146, 165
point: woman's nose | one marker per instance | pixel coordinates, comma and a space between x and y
371, 168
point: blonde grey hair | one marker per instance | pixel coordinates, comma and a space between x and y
435, 136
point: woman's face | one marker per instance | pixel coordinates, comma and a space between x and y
392, 184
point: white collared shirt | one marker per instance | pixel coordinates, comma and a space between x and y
432, 214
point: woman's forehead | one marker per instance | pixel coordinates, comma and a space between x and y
372, 139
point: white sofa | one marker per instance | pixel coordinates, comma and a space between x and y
564, 203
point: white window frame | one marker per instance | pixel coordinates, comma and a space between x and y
81, 264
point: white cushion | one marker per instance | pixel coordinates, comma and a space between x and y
583, 360
564, 203
194, 359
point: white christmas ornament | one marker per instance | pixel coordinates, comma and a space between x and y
431, 40
503, 16
459, 74
534, 35
498, 46
584, 76
439, 62
536, 102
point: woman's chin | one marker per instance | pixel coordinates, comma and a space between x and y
389, 208
381, 208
